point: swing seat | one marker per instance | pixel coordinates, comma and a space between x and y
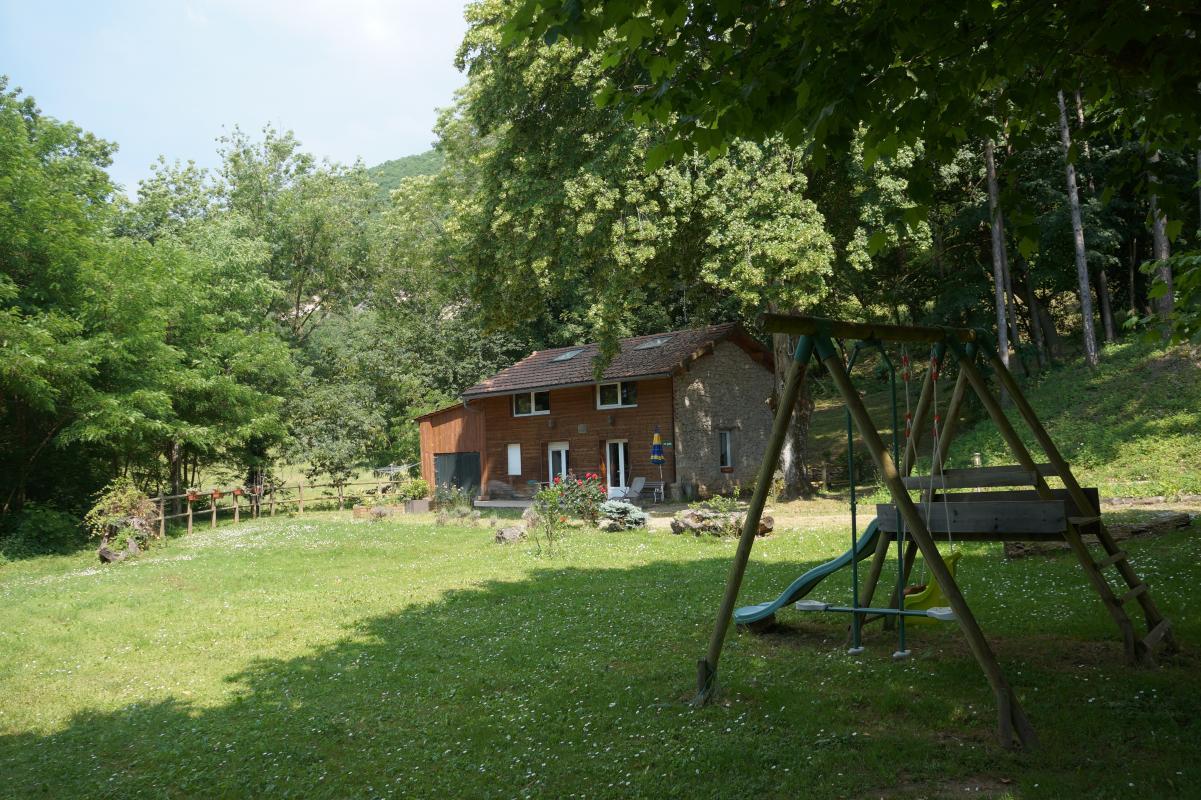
931, 598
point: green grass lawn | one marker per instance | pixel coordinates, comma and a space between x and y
320, 657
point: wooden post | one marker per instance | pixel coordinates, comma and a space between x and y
273, 499
339, 497
707, 667
920, 414
1012, 726
189, 515
213, 517
237, 509
300, 497
162, 516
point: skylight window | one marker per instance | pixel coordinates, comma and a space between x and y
570, 354
651, 344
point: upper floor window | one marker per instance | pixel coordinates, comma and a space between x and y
622, 394
527, 404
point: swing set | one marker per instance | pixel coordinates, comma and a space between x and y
1034, 512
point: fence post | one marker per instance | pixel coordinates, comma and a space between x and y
273, 499
162, 516
300, 496
189, 515
339, 497
237, 509
213, 504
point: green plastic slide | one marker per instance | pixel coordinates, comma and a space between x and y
804, 584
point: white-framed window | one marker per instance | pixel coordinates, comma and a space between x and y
620, 394
527, 404
515, 459
725, 449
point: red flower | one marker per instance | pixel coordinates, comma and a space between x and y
579, 482
557, 479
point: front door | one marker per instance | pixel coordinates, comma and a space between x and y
557, 458
617, 466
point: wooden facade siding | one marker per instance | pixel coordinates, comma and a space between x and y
456, 429
575, 419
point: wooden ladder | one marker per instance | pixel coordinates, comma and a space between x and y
1139, 650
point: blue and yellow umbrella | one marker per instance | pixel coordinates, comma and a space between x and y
657, 451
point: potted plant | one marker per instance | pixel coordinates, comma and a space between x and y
193, 495
216, 495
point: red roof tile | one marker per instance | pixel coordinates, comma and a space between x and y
638, 358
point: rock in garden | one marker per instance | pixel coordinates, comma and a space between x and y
510, 535
108, 556
530, 517
699, 521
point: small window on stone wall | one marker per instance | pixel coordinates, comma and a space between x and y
725, 450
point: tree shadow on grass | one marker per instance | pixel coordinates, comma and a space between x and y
573, 682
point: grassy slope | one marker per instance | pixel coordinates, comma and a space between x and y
325, 658
1132, 427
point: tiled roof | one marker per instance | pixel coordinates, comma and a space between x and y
640, 357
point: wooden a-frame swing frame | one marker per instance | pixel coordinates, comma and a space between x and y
816, 336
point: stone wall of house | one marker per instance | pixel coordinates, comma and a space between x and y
726, 390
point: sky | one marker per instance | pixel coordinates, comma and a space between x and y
352, 78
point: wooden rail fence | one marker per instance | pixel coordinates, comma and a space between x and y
261, 502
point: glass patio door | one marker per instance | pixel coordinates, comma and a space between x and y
617, 466
557, 458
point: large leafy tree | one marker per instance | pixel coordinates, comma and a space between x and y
563, 224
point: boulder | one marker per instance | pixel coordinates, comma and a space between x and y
699, 521
108, 556
510, 535
529, 517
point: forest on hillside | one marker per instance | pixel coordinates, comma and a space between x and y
280, 308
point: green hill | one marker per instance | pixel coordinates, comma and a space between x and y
390, 173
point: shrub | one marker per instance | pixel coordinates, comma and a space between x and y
622, 516
36, 530
717, 503
551, 517
122, 511
448, 497
580, 497
412, 489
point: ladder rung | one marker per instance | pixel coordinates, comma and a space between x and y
1110, 560
1157, 633
1084, 520
1141, 589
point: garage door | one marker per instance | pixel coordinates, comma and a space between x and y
457, 469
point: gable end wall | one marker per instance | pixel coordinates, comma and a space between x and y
726, 390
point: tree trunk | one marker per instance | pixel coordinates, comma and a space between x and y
1036, 331
794, 462
1133, 269
998, 253
176, 469
1086, 299
1054, 343
1111, 334
1161, 250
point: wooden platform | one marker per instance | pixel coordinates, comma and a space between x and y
986, 520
